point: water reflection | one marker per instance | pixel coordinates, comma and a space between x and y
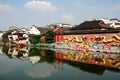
92, 62
96, 58
40, 71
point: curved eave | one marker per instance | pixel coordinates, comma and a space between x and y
70, 32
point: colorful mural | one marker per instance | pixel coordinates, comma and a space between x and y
92, 42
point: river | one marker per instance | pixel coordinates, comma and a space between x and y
57, 64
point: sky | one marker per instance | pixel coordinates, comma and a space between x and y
25, 13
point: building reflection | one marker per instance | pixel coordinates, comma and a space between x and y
18, 53
21, 53
58, 62
94, 58
93, 62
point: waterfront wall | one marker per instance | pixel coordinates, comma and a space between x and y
105, 42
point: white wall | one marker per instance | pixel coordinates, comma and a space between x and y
34, 31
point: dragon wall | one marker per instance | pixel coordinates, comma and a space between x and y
108, 42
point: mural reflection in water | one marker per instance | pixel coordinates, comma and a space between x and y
95, 58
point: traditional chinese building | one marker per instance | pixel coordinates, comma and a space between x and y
89, 36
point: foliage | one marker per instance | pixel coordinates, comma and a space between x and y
49, 56
34, 39
5, 36
34, 52
49, 36
5, 49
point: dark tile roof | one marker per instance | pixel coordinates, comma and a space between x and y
93, 31
88, 25
44, 29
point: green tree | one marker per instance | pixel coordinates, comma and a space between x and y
34, 39
5, 36
49, 36
34, 52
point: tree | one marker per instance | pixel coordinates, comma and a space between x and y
34, 39
49, 36
34, 52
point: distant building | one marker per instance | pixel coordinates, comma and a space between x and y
44, 29
58, 25
19, 37
34, 30
113, 23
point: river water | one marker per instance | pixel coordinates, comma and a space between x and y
53, 64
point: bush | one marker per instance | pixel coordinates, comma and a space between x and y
34, 39
49, 36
